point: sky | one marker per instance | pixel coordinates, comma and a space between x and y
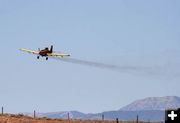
143, 35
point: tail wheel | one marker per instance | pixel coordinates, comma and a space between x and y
46, 58
37, 57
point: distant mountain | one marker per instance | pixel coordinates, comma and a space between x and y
63, 115
154, 115
153, 103
148, 109
150, 115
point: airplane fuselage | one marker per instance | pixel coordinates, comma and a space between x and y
44, 52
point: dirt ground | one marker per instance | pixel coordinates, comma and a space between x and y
26, 119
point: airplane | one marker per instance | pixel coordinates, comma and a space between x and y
44, 53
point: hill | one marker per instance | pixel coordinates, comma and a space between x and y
153, 103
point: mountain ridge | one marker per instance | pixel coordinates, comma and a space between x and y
153, 103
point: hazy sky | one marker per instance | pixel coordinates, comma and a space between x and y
127, 33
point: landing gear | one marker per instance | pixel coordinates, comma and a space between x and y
46, 58
37, 57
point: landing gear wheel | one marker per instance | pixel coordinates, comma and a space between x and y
37, 57
46, 58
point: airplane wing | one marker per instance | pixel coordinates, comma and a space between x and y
57, 54
30, 51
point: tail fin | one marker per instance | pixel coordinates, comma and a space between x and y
51, 50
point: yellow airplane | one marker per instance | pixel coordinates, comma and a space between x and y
44, 53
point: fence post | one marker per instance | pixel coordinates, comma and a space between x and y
34, 114
2, 110
117, 120
68, 116
102, 116
137, 119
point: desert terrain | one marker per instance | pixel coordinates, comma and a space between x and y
7, 118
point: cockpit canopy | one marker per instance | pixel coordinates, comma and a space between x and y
46, 48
